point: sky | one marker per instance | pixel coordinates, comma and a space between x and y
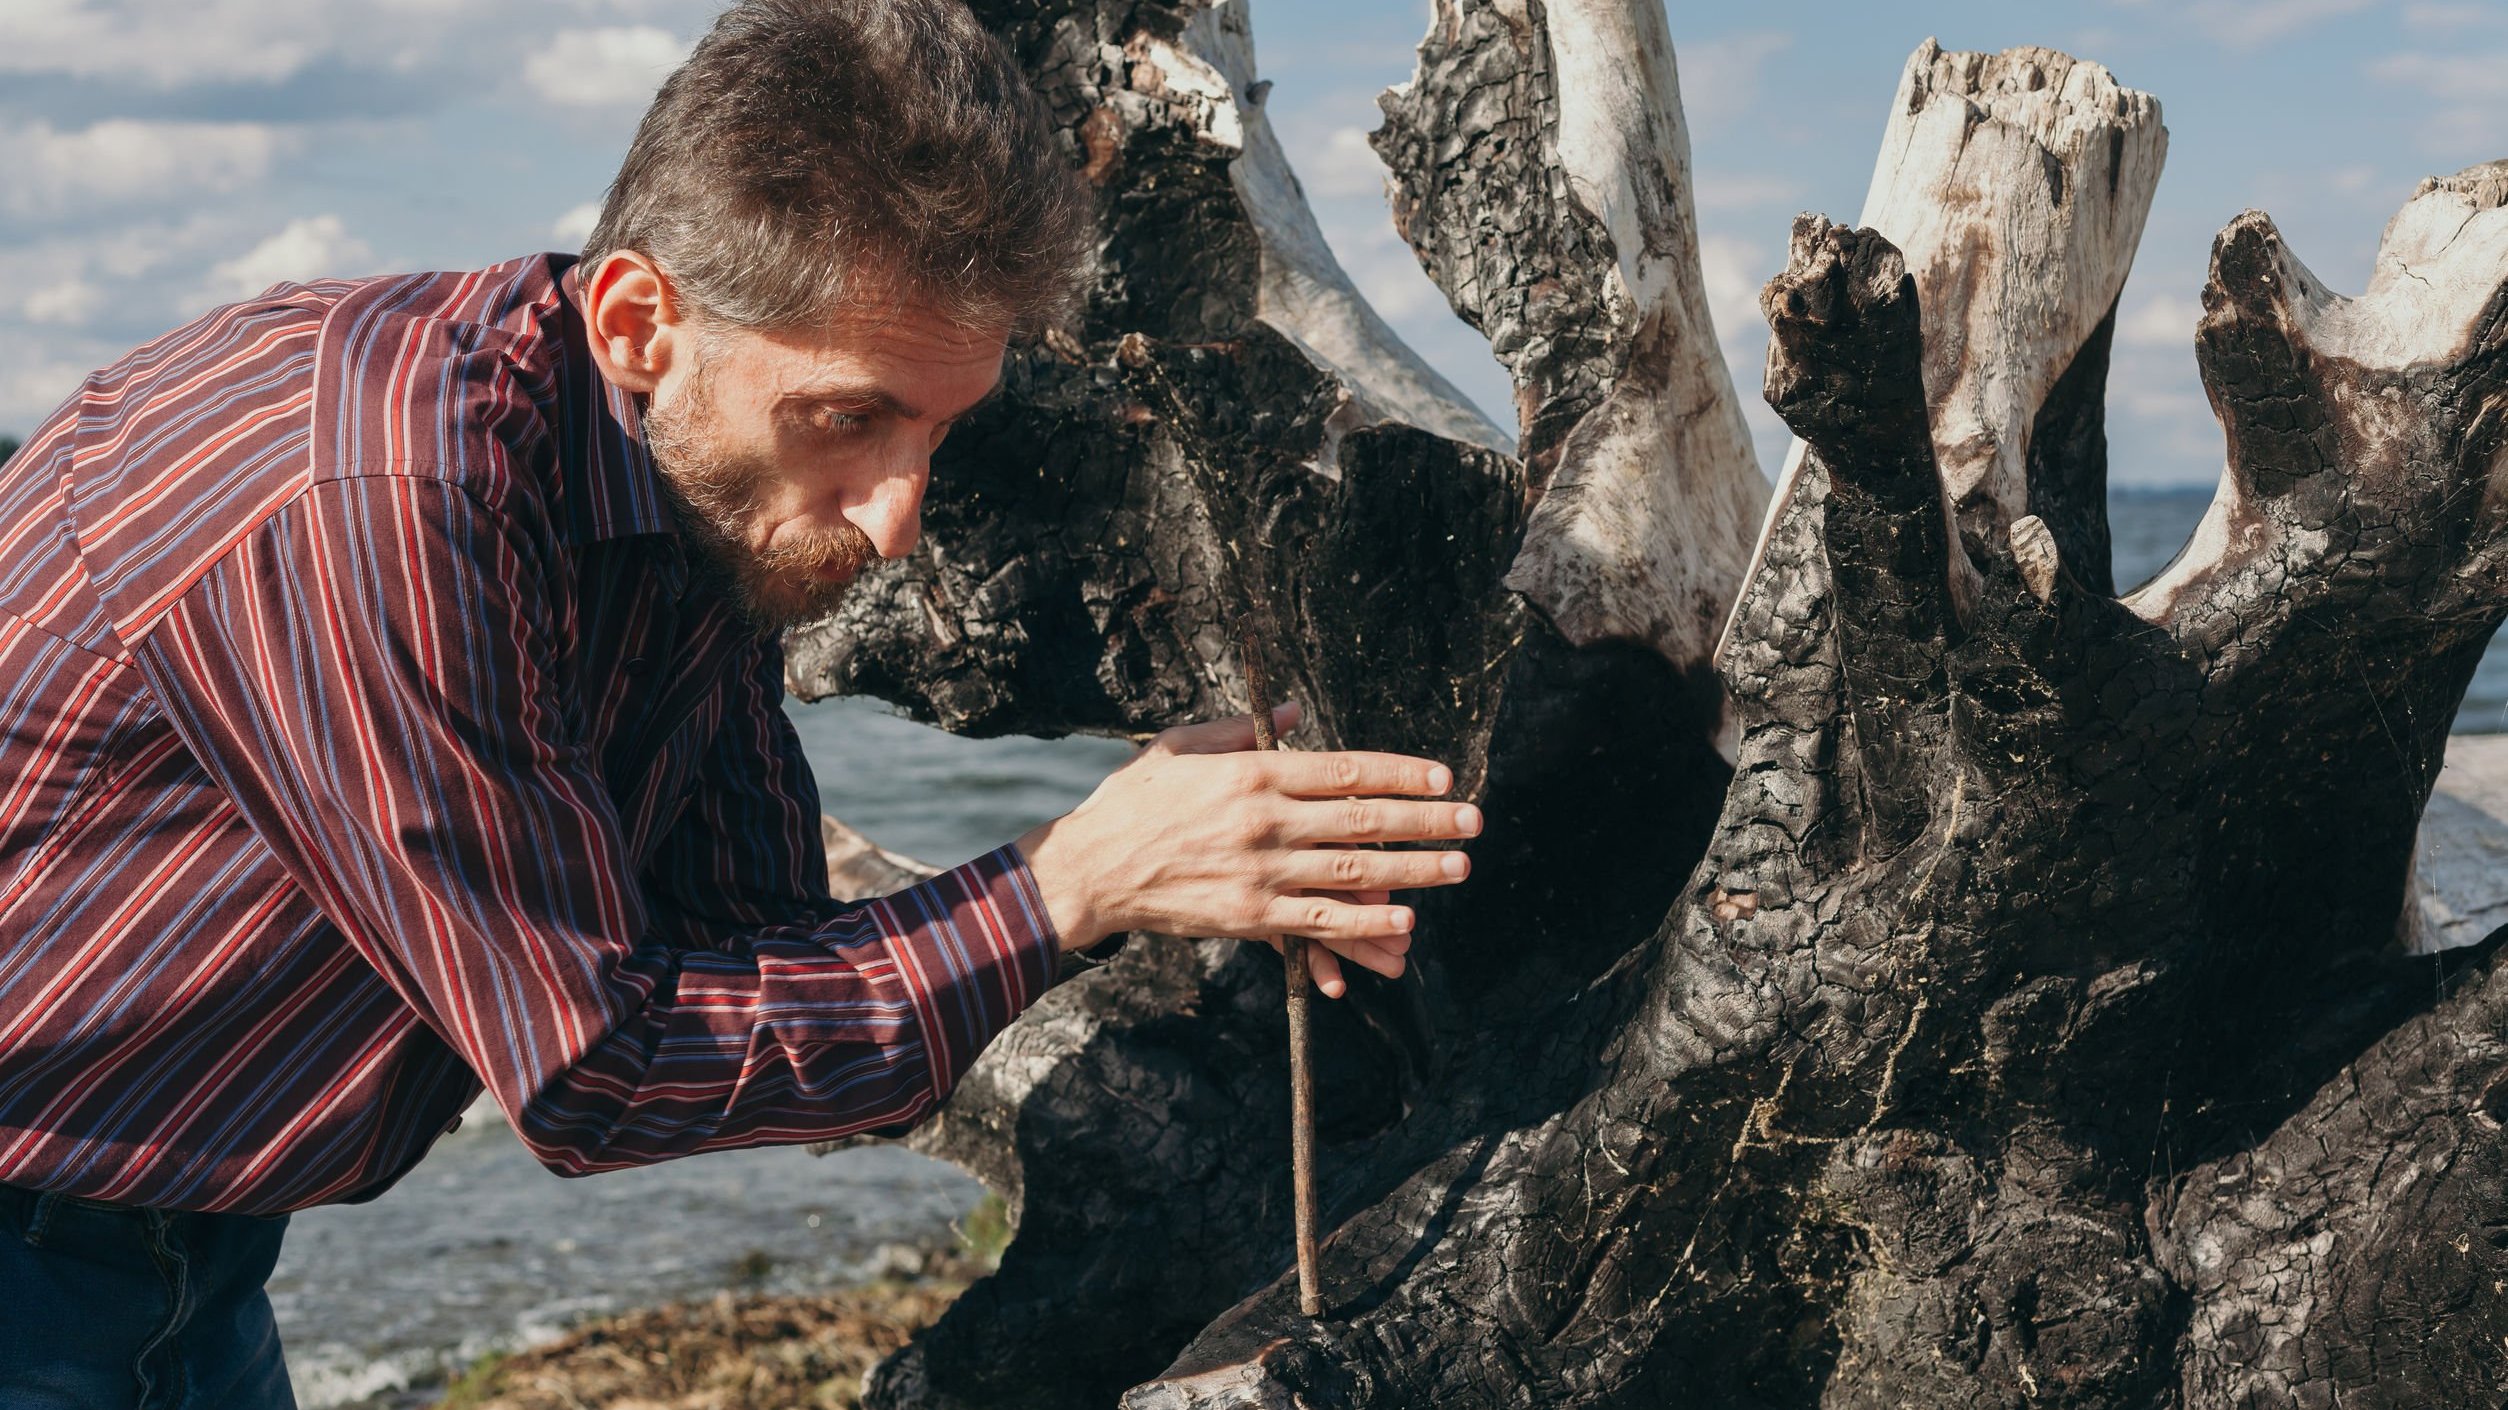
158, 157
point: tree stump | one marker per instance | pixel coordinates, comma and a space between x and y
2032, 1030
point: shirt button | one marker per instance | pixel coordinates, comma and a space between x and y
639, 666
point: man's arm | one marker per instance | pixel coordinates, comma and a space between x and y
370, 678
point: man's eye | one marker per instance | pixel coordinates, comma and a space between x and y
834, 422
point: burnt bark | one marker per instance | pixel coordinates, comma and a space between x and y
1226, 430
2034, 1027
2062, 1051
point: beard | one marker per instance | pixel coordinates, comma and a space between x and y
715, 493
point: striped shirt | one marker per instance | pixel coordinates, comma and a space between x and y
365, 737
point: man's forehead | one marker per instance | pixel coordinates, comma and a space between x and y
911, 331
901, 357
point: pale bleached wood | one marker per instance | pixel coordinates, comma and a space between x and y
2431, 300
2015, 185
1303, 290
859, 868
1643, 532
1542, 173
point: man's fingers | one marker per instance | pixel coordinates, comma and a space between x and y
1341, 773
1322, 963
1348, 870
1380, 953
1228, 736
1334, 921
1378, 820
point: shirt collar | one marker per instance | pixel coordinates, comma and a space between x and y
612, 487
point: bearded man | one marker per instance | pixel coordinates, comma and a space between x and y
390, 707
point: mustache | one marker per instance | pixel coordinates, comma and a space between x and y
842, 552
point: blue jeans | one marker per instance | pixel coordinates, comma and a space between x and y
105, 1307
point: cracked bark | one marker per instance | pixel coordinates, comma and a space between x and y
2033, 1029
1227, 429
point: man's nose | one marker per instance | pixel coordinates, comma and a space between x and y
891, 516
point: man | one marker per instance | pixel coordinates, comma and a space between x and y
389, 705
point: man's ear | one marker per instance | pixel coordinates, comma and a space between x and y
633, 317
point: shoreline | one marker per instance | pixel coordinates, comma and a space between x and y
744, 1346
732, 1351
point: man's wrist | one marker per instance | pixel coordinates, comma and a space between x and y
1062, 884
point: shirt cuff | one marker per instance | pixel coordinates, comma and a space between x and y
975, 948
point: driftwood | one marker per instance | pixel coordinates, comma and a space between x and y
2031, 1027
858, 867
1227, 430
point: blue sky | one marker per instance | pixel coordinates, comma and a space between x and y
159, 156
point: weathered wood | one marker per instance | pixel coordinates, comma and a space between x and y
858, 868
1541, 171
1225, 431
2033, 1030
2015, 187
2114, 899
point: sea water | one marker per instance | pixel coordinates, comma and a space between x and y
480, 1249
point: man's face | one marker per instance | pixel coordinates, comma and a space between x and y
798, 457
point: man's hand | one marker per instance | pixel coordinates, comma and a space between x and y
1201, 835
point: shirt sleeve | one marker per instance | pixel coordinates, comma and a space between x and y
372, 679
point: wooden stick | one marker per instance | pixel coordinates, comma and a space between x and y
1300, 984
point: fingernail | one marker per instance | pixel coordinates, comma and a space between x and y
1402, 919
1467, 820
1440, 779
1456, 865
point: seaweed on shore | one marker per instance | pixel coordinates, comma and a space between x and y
733, 1351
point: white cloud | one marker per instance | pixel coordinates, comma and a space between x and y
177, 43
2174, 428
47, 172
30, 390
2160, 321
2466, 77
575, 227
69, 303
2252, 24
77, 299
2443, 18
314, 248
1720, 77
208, 41
1345, 167
1735, 271
118, 258
2353, 179
1383, 268
2093, 41
1743, 190
600, 68
2471, 102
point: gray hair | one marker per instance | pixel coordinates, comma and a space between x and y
815, 155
